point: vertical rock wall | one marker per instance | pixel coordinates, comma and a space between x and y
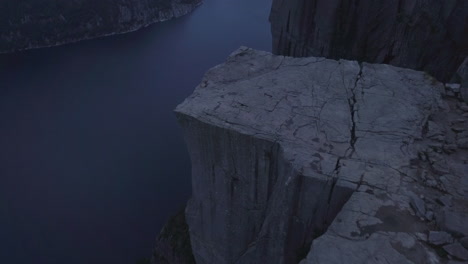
428, 35
241, 210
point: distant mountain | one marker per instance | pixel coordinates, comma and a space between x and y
39, 23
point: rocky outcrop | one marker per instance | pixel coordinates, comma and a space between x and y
33, 23
173, 243
324, 161
429, 35
463, 78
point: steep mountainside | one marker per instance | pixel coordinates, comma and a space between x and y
325, 161
429, 35
38, 23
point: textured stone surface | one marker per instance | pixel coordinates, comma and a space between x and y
40, 23
454, 220
318, 160
429, 35
462, 73
464, 242
418, 205
438, 238
457, 251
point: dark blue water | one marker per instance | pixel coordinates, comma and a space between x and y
92, 161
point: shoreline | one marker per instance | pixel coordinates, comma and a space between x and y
84, 38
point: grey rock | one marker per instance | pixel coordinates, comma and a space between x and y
314, 160
438, 238
429, 215
431, 183
435, 131
454, 220
462, 138
464, 242
463, 107
418, 205
462, 73
454, 87
450, 148
444, 181
456, 262
421, 236
457, 251
445, 200
427, 35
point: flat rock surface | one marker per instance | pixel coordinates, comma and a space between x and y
394, 138
439, 238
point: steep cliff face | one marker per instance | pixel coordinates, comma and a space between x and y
38, 23
324, 161
429, 35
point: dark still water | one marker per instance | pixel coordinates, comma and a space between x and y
92, 161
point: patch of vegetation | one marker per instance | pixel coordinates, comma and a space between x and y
176, 233
144, 261
303, 251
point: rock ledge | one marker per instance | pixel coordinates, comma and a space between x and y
324, 161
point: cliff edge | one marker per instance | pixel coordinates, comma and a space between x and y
325, 161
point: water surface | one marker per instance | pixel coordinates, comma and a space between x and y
92, 161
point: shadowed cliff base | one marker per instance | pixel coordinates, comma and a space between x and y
428, 35
173, 243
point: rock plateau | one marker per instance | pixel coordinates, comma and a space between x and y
314, 160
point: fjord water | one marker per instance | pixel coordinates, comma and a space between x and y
92, 161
